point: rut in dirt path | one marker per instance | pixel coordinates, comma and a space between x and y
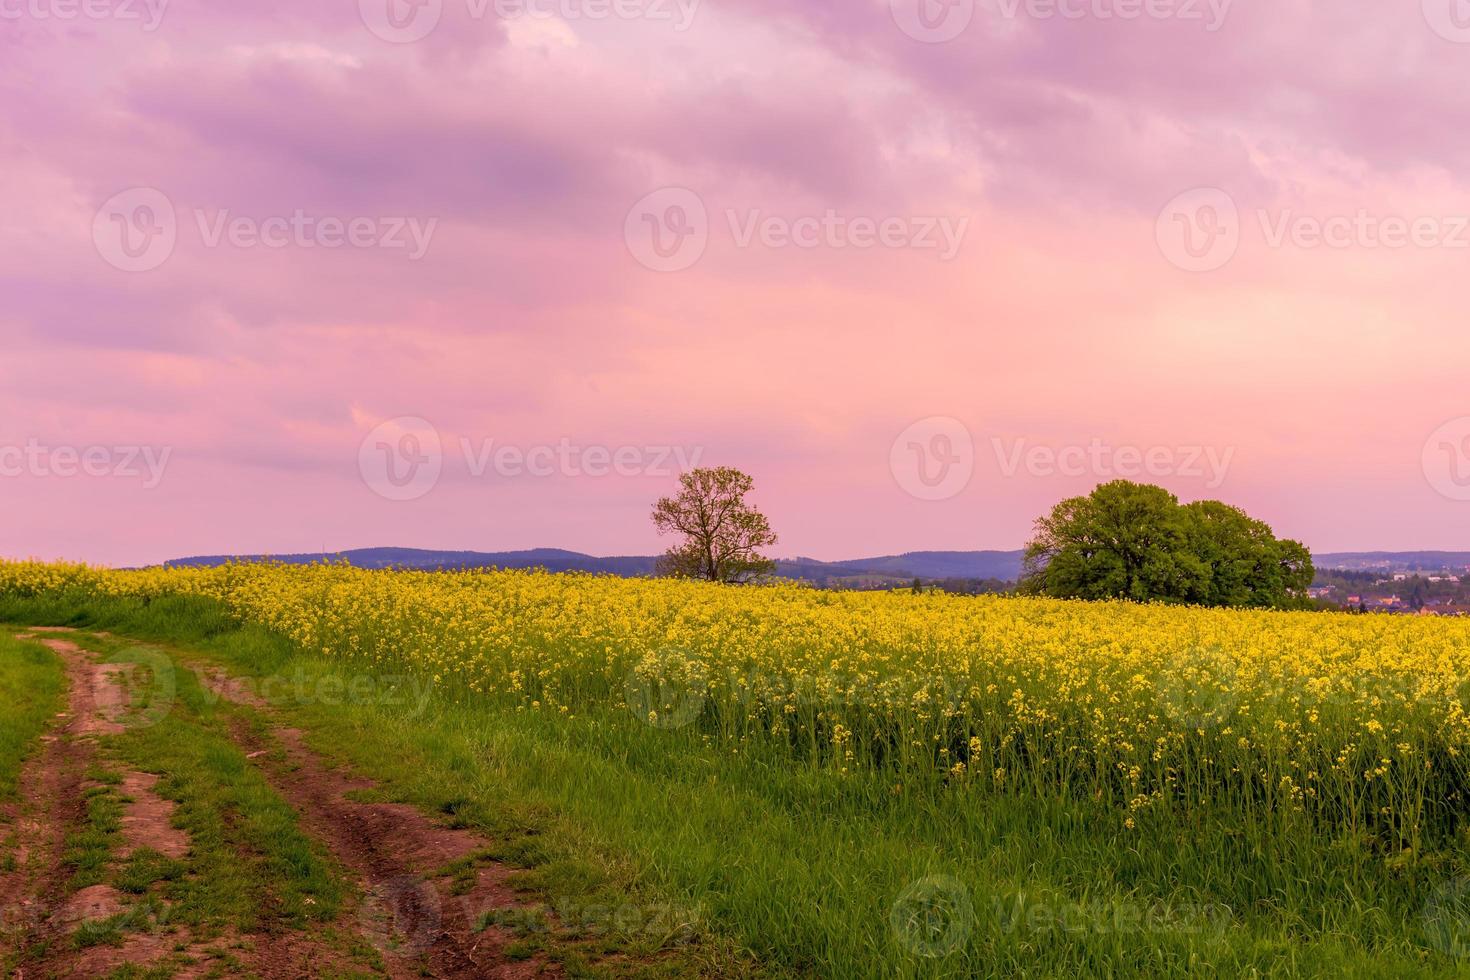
51, 803
410, 913
35, 899
54, 788
38, 913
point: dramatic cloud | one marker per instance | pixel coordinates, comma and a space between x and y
775, 235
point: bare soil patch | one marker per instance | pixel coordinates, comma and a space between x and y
416, 917
422, 921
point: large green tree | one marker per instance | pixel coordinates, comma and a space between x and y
1134, 541
722, 534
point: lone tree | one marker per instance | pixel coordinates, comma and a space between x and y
723, 534
1134, 541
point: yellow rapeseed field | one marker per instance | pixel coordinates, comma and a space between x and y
1359, 720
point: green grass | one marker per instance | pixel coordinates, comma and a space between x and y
89, 848
249, 865
32, 686
656, 843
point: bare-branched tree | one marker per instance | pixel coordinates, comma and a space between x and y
723, 535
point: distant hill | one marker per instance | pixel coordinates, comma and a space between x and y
928, 565
1005, 565
551, 559
1395, 561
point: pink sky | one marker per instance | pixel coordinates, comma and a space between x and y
1060, 335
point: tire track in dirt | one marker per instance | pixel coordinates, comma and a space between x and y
51, 789
418, 921
54, 787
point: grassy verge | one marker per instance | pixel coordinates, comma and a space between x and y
649, 838
32, 684
249, 867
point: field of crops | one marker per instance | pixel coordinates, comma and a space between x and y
1340, 723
